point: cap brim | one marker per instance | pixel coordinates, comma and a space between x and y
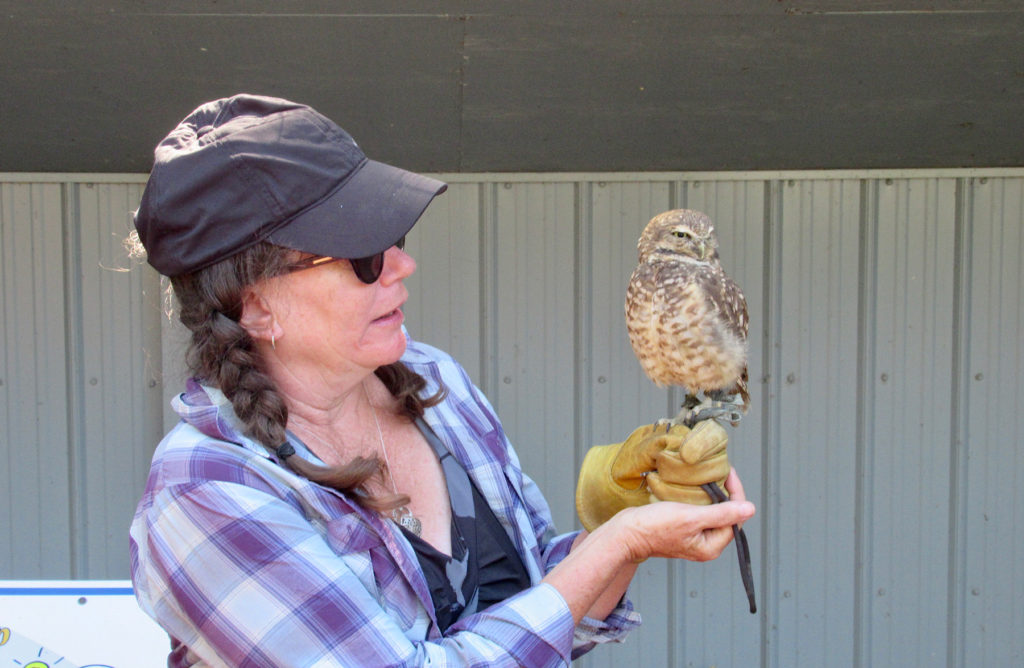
367, 214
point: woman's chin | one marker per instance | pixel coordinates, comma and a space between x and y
390, 350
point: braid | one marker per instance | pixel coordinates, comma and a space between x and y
222, 352
406, 386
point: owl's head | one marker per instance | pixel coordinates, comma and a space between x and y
679, 233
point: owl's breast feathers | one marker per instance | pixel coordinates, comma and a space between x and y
687, 323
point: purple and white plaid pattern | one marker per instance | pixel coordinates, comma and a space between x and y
247, 564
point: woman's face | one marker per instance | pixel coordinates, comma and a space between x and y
334, 323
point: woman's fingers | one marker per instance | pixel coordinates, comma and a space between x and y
679, 530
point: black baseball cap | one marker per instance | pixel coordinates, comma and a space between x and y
250, 168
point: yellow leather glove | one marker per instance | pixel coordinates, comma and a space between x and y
651, 465
684, 465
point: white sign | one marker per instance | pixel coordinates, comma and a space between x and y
77, 624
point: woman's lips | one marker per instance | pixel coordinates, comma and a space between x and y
394, 314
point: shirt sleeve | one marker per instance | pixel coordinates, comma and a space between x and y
589, 632
242, 578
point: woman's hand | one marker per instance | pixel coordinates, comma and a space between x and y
595, 574
681, 531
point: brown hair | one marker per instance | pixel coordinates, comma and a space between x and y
222, 354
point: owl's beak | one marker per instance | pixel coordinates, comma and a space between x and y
703, 250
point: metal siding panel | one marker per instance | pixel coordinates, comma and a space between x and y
121, 394
445, 293
35, 522
814, 462
534, 329
538, 268
994, 573
716, 625
616, 396
905, 589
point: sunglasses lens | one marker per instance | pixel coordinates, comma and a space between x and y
368, 269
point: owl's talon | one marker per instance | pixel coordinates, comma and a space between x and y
666, 423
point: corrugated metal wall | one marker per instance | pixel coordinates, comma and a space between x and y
881, 448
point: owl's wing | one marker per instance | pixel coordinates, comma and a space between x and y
728, 300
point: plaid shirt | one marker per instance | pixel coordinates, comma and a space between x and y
247, 564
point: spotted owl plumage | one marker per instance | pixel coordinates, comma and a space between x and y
687, 319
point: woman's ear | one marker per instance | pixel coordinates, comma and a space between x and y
258, 318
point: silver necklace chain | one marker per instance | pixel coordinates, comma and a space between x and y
402, 515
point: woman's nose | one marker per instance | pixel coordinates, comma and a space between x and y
398, 265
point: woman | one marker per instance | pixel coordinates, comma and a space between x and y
337, 493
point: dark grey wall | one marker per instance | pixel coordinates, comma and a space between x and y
477, 86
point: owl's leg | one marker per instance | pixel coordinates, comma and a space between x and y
715, 405
689, 403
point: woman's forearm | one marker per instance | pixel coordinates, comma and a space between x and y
594, 575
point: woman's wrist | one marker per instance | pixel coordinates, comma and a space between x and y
624, 537
588, 577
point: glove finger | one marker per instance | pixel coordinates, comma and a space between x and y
665, 491
705, 439
637, 455
678, 429
673, 440
671, 467
661, 429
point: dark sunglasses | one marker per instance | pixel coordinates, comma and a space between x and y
367, 269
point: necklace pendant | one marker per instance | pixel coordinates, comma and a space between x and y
412, 524
407, 520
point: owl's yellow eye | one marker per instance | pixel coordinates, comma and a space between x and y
681, 234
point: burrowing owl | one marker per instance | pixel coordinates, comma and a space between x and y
688, 324
687, 319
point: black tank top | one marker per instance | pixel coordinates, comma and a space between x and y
485, 567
